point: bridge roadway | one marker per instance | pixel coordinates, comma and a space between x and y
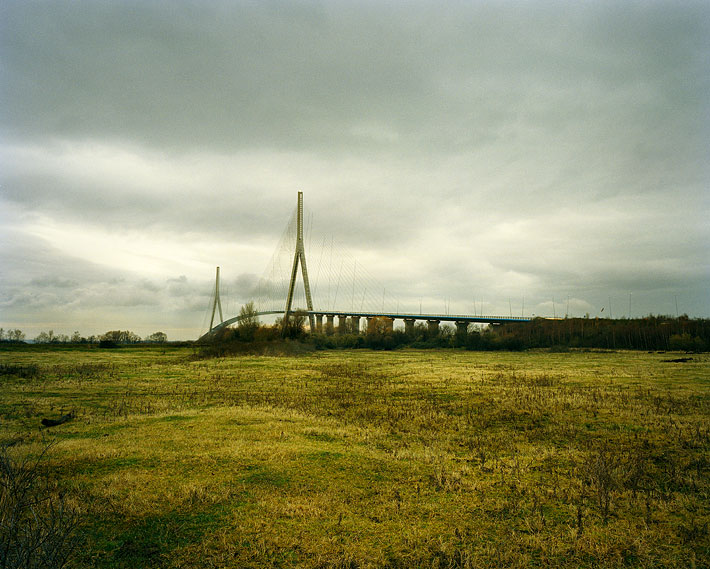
462, 320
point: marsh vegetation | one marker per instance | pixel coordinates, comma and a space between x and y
437, 458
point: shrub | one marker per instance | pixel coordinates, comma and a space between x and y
37, 529
686, 343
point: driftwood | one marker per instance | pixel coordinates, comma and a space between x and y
55, 422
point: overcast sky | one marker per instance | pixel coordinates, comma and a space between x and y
469, 154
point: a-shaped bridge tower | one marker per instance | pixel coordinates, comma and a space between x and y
299, 257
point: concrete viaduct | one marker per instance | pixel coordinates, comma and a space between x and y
329, 327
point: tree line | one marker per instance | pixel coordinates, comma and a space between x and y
658, 333
112, 337
648, 333
12, 335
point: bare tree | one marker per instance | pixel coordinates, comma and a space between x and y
248, 321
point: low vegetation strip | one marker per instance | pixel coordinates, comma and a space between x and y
648, 333
353, 458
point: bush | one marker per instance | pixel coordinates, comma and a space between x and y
295, 327
37, 529
686, 343
267, 334
322, 342
27, 371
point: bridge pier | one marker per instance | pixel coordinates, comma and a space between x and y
369, 324
355, 324
461, 327
342, 324
433, 327
329, 329
409, 326
319, 323
389, 324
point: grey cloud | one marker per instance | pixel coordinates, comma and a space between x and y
179, 286
51, 281
149, 286
243, 285
307, 75
494, 103
35, 261
46, 289
461, 150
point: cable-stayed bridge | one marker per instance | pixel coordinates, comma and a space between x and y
338, 281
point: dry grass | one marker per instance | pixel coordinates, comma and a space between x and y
362, 459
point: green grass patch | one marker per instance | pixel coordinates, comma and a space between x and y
372, 459
150, 541
176, 418
323, 437
264, 476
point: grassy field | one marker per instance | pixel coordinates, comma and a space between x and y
371, 459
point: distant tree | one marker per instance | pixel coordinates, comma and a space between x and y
687, 343
120, 337
76, 337
2, 334
45, 337
157, 337
267, 334
447, 331
15, 335
248, 322
111, 336
379, 334
379, 326
296, 326
421, 331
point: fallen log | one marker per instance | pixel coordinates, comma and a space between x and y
55, 422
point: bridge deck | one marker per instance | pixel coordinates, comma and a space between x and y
439, 317
393, 315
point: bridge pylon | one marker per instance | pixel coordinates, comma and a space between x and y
217, 302
299, 257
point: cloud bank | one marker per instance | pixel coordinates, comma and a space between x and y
471, 155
